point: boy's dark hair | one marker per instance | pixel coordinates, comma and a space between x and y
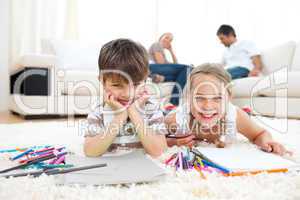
226, 30
125, 56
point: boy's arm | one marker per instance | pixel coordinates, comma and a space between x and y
98, 144
103, 138
153, 143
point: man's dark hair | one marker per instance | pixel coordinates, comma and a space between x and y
226, 30
125, 56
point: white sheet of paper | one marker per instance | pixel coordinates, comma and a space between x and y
134, 167
246, 158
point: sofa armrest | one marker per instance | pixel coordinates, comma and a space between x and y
32, 81
38, 60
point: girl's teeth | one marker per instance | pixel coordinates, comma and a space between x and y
206, 115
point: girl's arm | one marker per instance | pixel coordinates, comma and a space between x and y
98, 144
170, 121
257, 134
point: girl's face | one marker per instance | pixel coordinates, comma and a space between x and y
208, 99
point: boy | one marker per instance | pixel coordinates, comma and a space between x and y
123, 120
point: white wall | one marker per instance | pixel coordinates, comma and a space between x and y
194, 23
4, 53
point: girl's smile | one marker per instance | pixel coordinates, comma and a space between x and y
207, 100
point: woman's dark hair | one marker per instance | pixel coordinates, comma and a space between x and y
226, 30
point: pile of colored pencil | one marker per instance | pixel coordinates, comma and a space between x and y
39, 157
47, 160
187, 159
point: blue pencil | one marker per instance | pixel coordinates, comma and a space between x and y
22, 154
18, 149
214, 165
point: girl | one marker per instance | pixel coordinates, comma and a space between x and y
209, 115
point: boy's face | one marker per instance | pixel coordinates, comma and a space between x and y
208, 99
123, 92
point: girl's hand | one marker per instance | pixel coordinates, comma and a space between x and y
266, 143
275, 147
271, 146
186, 141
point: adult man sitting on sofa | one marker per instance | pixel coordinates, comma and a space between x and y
241, 58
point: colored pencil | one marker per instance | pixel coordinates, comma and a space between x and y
55, 171
200, 172
214, 165
31, 162
246, 173
22, 154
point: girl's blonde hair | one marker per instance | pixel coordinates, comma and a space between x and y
214, 69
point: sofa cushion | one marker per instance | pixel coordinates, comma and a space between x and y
278, 57
76, 55
161, 90
79, 82
283, 84
247, 87
296, 59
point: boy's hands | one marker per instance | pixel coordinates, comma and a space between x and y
140, 101
116, 106
112, 102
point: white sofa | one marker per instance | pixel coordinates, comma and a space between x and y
63, 80
68, 71
277, 91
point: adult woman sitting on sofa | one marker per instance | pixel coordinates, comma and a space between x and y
163, 70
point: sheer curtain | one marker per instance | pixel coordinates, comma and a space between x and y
193, 22
35, 20
102, 21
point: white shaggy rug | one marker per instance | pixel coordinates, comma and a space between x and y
184, 185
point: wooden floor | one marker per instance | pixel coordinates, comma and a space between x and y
9, 118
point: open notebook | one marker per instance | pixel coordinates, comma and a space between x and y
245, 157
134, 167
